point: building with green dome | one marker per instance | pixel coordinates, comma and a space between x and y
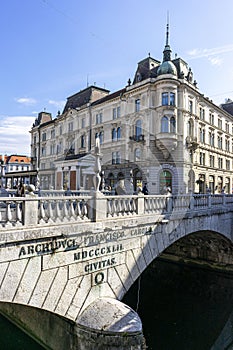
159, 129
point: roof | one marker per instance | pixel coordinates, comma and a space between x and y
109, 97
15, 158
85, 96
228, 107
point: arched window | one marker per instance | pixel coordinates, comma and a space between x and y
114, 134
138, 128
164, 124
137, 154
118, 133
165, 181
172, 124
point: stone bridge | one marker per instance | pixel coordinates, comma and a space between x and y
66, 262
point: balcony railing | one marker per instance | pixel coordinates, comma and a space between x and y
137, 138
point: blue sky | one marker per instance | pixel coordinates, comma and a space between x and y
51, 48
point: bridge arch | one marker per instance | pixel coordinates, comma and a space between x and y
184, 297
203, 247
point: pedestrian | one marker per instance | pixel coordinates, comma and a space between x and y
145, 189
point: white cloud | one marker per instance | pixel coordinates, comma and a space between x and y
58, 104
215, 61
14, 134
200, 53
28, 101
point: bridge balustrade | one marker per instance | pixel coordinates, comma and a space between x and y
121, 205
62, 210
24, 211
155, 204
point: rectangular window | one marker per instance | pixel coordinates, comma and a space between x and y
52, 134
202, 113
212, 161
83, 123
211, 138
137, 105
172, 99
43, 151
211, 116
98, 118
190, 106
227, 145
44, 136
220, 142
165, 98
202, 135
114, 113
202, 158
52, 149
83, 141
61, 130
228, 164
70, 126
227, 127
219, 123
116, 157
220, 163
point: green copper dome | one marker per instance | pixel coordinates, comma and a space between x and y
167, 67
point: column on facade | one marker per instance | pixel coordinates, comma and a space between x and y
78, 177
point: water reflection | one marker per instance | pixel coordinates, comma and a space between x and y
184, 307
12, 338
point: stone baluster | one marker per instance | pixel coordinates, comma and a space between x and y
19, 213
58, 211
42, 218
113, 207
109, 208
50, 211
78, 211
71, 209
84, 209
65, 211
8, 214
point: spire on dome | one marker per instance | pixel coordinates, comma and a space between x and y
167, 66
167, 50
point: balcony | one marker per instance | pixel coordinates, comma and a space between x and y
137, 138
166, 142
191, 142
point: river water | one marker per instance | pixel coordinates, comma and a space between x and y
181, 308
184, 307
12, 338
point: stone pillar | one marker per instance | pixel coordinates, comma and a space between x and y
30, 211
140, 204
108, 324
98, 205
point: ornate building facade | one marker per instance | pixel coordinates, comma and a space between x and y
158, 130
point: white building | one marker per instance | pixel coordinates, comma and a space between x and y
159, 129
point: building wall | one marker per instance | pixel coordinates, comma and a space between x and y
184, 148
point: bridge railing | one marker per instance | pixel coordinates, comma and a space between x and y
32, 211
